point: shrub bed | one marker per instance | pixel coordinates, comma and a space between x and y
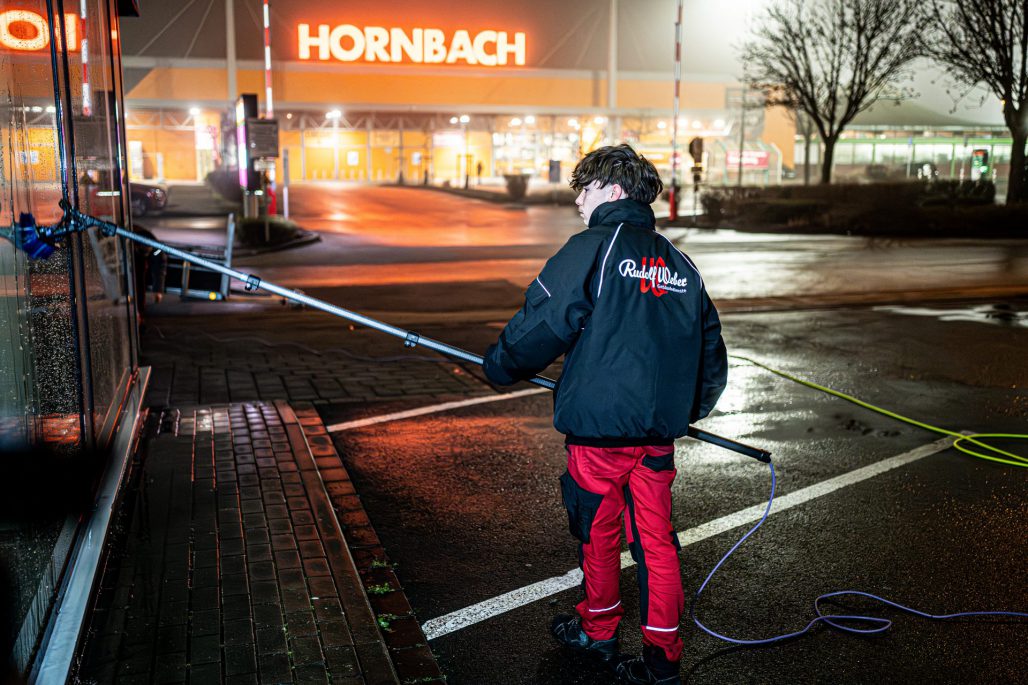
941, 208
270, 231
961, 221
225, 182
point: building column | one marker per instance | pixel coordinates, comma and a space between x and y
370, 125
401, 176
430, 160
492, 147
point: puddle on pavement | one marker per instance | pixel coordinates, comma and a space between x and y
996, 314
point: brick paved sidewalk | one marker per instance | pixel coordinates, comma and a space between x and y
228, 563
234, 353
240, 552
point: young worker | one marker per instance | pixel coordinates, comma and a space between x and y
644, 358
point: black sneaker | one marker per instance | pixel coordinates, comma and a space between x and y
568, 631
652, 668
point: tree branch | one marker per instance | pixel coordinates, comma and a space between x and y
832, 59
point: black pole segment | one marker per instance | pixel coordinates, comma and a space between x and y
758, 454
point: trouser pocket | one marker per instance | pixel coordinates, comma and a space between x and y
582, 506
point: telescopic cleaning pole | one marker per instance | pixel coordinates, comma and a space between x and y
75, 221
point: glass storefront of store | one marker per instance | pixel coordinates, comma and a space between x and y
438, 148
864, 156
67, 323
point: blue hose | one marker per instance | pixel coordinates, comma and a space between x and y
866, 625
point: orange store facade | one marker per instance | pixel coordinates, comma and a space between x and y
515, 122
370, 94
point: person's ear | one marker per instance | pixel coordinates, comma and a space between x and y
616, 192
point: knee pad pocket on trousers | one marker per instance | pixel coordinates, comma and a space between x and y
664, 462
581, 505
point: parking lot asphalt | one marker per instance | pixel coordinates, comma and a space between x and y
466, 503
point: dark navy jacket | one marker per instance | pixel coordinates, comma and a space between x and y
643, 341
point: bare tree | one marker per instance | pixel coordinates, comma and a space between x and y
831, 59
986, 42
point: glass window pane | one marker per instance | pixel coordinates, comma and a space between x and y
97, 171
862, 153
43, 347
844, 153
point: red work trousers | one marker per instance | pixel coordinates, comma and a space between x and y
603, 486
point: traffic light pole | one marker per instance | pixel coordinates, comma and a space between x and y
673, 189
696, 152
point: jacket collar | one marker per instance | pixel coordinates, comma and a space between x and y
627, 211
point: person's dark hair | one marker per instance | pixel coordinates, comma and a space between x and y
622, 165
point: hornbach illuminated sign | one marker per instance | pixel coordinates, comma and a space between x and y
349, 43
27, 31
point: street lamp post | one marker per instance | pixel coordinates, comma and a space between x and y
230, 49
269, 109
333, 116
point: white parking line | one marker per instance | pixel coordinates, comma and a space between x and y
432, 409
444, 625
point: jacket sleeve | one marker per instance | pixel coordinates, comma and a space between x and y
557, 305
713, 364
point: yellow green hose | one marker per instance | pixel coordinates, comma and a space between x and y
996, 455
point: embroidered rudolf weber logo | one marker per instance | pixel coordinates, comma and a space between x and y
654, 276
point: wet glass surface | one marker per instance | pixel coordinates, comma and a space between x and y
98, 189
40, 354
26, 551
37, 369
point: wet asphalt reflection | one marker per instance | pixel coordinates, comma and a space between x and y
466, 502
386, 235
